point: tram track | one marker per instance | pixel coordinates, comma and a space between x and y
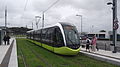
23, 57
36, 54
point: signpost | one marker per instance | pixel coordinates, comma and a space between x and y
115, 24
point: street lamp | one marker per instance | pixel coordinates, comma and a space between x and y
32, 25
37, 21
43, 20
81, 22
115, 22
5, 19
109, 3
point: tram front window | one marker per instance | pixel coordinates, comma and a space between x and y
72, 38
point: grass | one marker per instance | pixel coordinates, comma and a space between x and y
35, 56
20, 35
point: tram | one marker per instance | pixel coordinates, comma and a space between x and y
61, 38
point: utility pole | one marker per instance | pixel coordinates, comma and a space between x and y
37, 20
81, 26
43, 20
81, 22
92, 28
6, 18
26, 26
32, 25
115, 22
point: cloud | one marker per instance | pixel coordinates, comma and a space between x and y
95, 13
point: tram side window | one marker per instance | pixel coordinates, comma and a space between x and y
35, 35
49, 36
30, 35
27, 35
59, 38
44, 34
39, 34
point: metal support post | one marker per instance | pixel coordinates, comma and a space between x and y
114, 19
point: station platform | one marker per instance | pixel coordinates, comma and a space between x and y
8, 54
103, 55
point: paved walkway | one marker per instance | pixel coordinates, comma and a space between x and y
103, 55
8, 54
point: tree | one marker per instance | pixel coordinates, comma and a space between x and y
102, 31
18, 30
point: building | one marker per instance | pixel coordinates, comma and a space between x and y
2, 27
99, 35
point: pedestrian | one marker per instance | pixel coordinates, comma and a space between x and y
94, 40
5, 39
97, 47
8, 39
88, 42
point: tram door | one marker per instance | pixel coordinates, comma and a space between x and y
58, 40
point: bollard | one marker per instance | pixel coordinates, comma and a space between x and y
112, 47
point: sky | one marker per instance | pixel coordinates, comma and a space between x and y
96, 14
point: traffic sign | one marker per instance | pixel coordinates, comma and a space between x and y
115, 26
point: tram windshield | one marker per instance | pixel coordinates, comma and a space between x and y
71, 35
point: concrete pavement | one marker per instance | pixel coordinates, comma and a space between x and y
103, 55
8, 54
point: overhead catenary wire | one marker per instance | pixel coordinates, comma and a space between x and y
24, 9
46, 10
25, 5
3, 4
51, 5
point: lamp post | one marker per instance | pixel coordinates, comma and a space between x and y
81, 22
92, 28
6, 19
37, 21
43, 20
32, 25
115, 22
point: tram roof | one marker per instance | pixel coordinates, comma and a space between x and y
66, 23
57, 24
